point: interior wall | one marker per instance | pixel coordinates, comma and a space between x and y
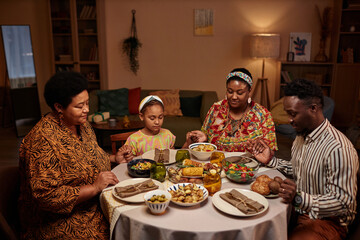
35, 14
172, 57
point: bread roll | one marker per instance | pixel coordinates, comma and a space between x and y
192, 171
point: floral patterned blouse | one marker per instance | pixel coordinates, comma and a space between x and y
54, 163
231, 135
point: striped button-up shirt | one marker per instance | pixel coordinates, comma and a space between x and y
324, 165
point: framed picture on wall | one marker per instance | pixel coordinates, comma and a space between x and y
203, 22
300, 45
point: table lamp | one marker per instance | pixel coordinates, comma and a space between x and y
264, 45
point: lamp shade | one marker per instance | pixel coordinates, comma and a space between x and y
265, 45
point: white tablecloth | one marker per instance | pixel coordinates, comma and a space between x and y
204, 221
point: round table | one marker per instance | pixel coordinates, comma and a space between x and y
202, 221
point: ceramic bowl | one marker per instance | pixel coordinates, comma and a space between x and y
202, 155
240, 169
158, 207
137, 173
178, 186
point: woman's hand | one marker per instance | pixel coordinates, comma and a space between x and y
105, 179
124, 154
197, 136
260, 150
287, 190
194, 137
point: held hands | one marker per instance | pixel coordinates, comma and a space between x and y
287, 190
105, 179
260, 150
124, 154
194, 137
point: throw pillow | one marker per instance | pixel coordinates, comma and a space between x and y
114, 101
171, 100
134, 100
190, 106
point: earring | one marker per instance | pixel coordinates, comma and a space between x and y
249, 100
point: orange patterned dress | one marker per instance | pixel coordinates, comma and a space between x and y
54, 163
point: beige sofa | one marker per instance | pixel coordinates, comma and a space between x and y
178, 125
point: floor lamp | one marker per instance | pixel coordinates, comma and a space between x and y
264, 45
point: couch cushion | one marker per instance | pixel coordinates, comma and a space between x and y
171, 101
134, 100
190, 106
114, 101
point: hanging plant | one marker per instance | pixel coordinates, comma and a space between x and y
131, 46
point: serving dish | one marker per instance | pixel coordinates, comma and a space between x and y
240, 169
226, 207
136, 172
208, 148
151, 155
138, 198
178, 186
157, 207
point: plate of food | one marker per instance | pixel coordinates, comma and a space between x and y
133, 190
140, 168
240, 202
188, 194
166, 155
266, 186
189, 170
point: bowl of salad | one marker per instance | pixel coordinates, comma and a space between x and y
140, 168
240, 169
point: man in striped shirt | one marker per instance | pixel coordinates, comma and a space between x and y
324, 165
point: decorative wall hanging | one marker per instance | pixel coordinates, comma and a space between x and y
203, 22
300, 45
325, 22
132, 45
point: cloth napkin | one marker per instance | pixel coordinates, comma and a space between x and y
162, 156
131, 190
241, 202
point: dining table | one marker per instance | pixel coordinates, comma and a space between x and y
202, 221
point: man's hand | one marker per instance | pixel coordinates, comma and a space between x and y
287, 190
260, 150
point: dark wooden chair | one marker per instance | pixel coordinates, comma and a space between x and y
119, 137
9, 194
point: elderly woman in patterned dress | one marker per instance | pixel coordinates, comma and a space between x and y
63, 169
236, 122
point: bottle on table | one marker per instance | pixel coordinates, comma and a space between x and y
158, 171
181, 155
212, 181
217, 157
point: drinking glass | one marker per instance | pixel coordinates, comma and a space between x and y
217, 157
181, 155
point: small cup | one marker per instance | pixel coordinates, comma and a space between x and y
112, 122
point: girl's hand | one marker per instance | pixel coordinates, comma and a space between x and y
260, 150
198, 136
124, 154
105, 179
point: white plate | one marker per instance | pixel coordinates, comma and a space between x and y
176, 187
151, 155
226, 207
138, 198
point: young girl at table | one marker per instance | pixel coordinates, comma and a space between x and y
151, 112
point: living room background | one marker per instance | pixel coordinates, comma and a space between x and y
171, 55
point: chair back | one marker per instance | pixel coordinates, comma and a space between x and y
9, 194
119, 137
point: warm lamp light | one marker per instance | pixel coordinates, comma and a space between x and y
264, 45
